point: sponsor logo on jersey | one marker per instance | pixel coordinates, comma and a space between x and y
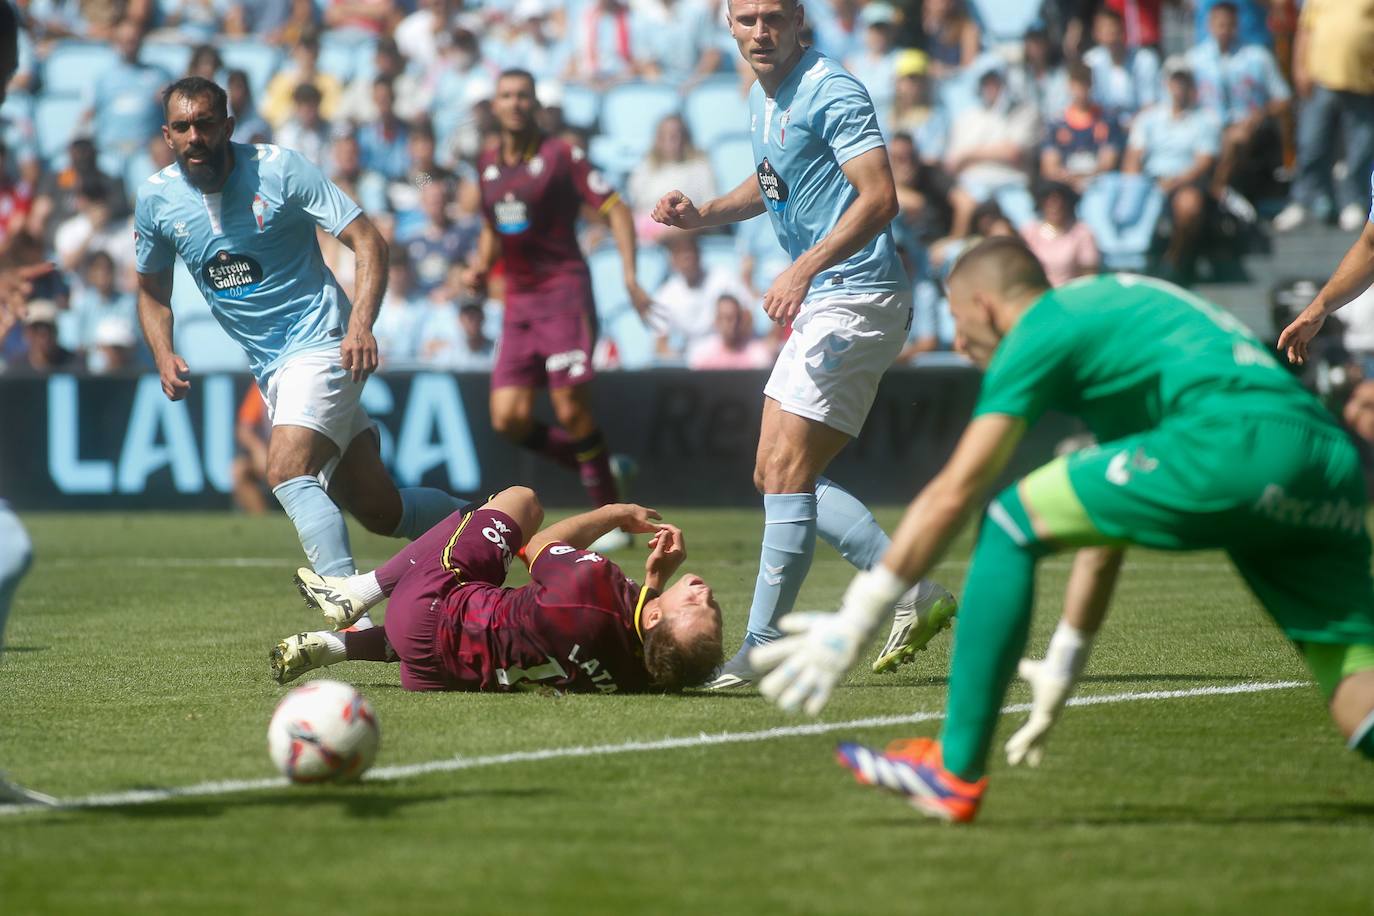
512, 217
773, 187
179, 229
232, 276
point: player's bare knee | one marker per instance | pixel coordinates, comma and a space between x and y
521, 504
512, 425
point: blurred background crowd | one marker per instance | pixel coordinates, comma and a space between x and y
1147, 135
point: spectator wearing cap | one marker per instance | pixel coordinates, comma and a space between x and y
875, 63
732, 345
114, 347
385, 140
95, 298
305, 58
249, 127
681, 43
306, 131
42, 352
951, 37
914, 111
1175, 144
684, 306
1125, 79
124, 103
672, 162
1064, 245
990, 145
1334, 76
1242, 86
607, 42
533, 47
1082, 141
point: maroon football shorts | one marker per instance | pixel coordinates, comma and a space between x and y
553, 350
476, 549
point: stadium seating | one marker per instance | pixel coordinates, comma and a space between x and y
1006, 21
630, 113
732, 160
608, 279
56, 119
259, 61
347, 57
172, 57
633, 341
714, 110
73, 67
581, 106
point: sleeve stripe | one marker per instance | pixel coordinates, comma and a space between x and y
609, 203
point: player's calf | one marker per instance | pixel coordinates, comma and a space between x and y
1345, 674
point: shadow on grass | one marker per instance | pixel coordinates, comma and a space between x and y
1336, 814
27, 648
355, 801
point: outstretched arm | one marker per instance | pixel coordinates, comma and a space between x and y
581, 530
358, 351
1352, 277
679, 211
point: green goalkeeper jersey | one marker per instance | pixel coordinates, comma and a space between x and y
1124, 353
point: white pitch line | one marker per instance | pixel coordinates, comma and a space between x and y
454, 764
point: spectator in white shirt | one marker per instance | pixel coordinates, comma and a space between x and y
1125, 80
684, 308
989, 148
672, 163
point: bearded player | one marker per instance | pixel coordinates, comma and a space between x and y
243, 218
533, 189
579, 626
1206, 443
824, 178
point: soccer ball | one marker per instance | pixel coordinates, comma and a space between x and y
323, 731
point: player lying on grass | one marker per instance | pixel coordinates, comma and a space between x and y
1207, 443
580, 625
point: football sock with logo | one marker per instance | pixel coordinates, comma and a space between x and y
319, 524
994, 623
553, 443
594, 466
418, 552
789, 542
367, 646
424, 507
846, 524
16, 552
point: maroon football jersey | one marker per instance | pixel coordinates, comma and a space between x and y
533, 206
575, 628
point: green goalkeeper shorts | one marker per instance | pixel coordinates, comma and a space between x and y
1285, 498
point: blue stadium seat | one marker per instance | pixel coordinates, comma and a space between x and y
632, 339
719, 251
259, 61
207, 348
1006, 21
172, 57
608, 280
346, 58
630, 113
715, 109
581, 106
614, 158
55, 120
651, 264
72, 67
732, 160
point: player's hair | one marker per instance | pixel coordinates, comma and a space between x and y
1225, 6
689, 149
1004, 264
307, 94
195, 87
674, 663
1080, 72
1113, 15
517, 73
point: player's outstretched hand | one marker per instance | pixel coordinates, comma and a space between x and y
639, 519
805, 666
1049, 693
358, 353
176, 377
677, 210
784, 298
667, 551
1295, 338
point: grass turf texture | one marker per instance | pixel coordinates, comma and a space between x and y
135, 663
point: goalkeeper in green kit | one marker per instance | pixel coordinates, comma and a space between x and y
1206, 443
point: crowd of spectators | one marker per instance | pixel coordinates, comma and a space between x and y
1106, 133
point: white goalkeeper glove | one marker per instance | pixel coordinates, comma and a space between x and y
805, 665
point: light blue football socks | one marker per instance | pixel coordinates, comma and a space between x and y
319, 524
846, 524
422, 508
789, 542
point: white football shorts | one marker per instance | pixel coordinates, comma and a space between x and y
829, 369
314, 390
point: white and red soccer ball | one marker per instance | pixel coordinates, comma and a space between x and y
323, 731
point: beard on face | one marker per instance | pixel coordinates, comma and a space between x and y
207, 174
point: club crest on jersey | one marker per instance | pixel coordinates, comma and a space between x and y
536, 166
259, 210
232, 276
782, 128
773, 187
512, 218
491, 173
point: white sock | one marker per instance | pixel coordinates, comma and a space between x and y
365, 588
334, 645
1068, 651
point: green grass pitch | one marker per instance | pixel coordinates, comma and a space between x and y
137, 658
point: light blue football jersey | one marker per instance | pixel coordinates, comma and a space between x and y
252, 249
820, 118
